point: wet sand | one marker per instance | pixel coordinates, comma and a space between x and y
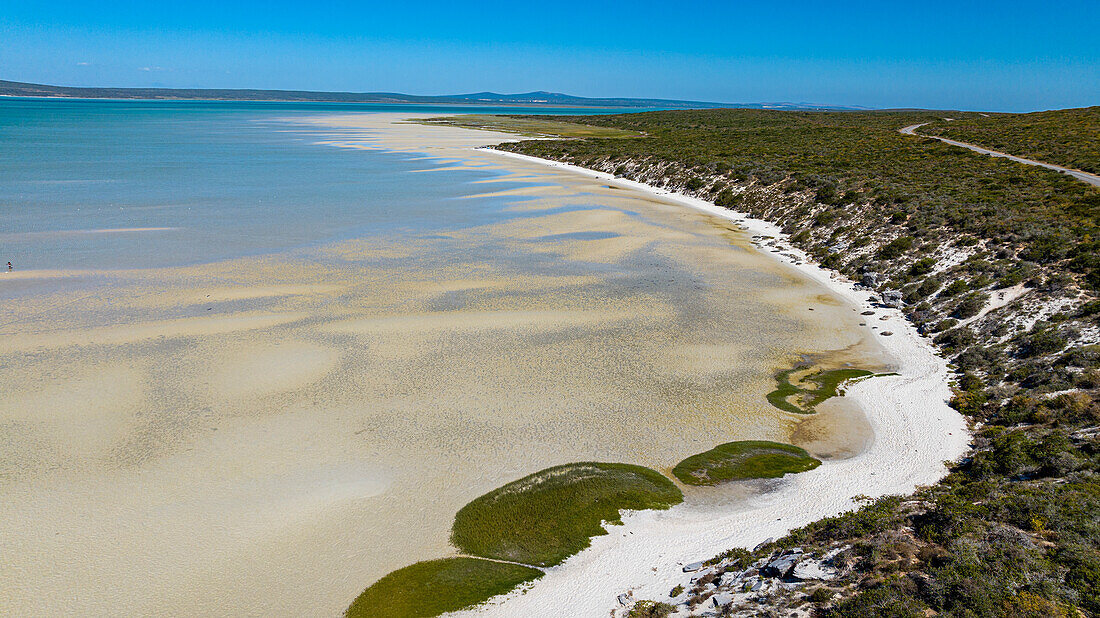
269, 435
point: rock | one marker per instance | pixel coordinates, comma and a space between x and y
780, 567
870, 280
886, 333
722, 598
868, 313
833, 553
729, 579
694, 566
625, 599
812, 569
700, 575
892, 298
763, 543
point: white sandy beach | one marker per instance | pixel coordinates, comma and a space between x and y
270, 435
914, 433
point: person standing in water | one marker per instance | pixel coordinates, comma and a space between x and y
9, 267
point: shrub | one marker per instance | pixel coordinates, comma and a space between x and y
651, 609
1041, 341
955, 339
922, 266
895, 248
928, 287
970, 305
954, 288
880, 602
727, 198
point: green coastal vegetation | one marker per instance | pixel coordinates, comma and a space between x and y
999, 262
538, 521
544, 518
799, 397
435, 587
746, 459
1051, 137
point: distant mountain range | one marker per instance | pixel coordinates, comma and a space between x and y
530, 99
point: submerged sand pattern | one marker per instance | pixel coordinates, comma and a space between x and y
269, 435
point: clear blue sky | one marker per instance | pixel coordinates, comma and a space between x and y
1012, 56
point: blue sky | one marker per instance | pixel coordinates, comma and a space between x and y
1010, 56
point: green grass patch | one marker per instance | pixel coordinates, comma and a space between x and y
436, 587
807, 390
739, 461
544, 518
528, 127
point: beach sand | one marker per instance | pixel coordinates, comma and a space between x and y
912, 432
269, 435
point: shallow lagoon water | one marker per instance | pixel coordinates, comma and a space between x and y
107, 185
268, 429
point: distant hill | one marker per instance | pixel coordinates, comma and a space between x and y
531, 99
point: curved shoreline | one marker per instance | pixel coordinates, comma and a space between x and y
914, 433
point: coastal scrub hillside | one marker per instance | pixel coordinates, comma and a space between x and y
999, 262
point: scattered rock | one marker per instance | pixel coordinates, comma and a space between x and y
729, 579
870, 280
701, 575
892, 298
694, 566
722, 598
834, 552
868, 313
780, 567
625, 599
886, 333
812, 569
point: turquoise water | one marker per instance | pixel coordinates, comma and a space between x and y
200, 181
